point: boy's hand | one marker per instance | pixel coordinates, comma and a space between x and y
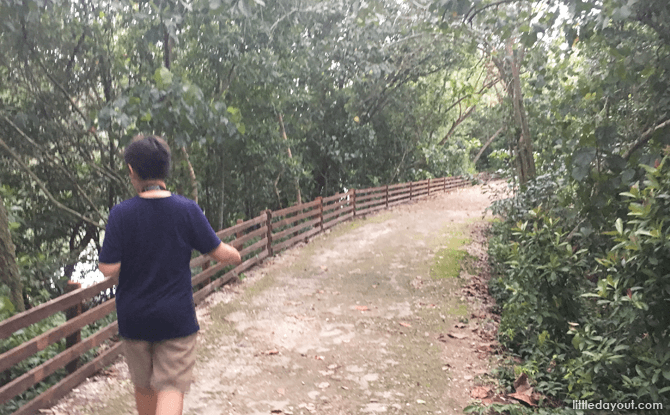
226, 254
110, 270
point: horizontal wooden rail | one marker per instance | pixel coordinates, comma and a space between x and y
40, 372
48, 309
288, 210
337, 213
296, 218
338, 196
41, 342
369, 196
282, 234
371, 203
62, 388
296, 239
241, 226
337, 205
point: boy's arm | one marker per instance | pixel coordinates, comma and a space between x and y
110, 270
225, 253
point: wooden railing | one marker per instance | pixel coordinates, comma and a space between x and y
256, 239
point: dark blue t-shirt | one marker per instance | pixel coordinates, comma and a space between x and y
153, 240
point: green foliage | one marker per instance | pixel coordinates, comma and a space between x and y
627, 337
544, 279
608, 340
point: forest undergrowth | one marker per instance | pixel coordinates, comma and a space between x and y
585, 311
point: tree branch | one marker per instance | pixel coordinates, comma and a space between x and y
488, 142
469, 18
42, 186
456, 124
644, 138
49, 156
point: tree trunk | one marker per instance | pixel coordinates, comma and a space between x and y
223, 190
9, 271
521, 146
297, 182
524, 144
485, 146
191, 173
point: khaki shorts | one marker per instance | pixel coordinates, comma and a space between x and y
162, 365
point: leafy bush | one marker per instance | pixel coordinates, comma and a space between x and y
545, 278
591, 325
627, 342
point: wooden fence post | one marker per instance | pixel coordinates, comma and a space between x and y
387, 196
239, 234
75, 337
353, 200
320, 212
444, 188
428, 195
268, 223
209, 280
410, 190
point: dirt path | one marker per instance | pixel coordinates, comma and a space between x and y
357, 321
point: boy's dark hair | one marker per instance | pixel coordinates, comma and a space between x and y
149, 156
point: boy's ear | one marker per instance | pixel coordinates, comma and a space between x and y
131, 169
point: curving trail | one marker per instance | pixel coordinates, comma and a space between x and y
351, 323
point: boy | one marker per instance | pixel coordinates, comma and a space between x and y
148, 244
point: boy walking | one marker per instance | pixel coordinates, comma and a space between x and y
148, 244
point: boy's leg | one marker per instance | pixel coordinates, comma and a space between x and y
146, 399
173, 362
138, 356
170, 402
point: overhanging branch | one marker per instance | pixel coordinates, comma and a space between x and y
644, 138
42, 186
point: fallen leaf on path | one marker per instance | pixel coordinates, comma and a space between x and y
459, 336
318, 357
405, 324
362, 308
459, 325
521, 384
271, 352
523, 398
276, 411
480, 392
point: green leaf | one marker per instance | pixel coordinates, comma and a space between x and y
163, 78
618, 224
581, 162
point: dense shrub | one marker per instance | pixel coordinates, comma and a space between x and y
590, 325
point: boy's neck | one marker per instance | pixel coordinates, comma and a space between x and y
153, 190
